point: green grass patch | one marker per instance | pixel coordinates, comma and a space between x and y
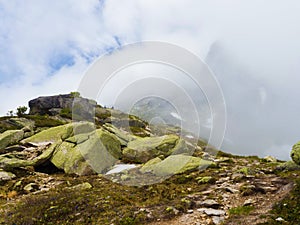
241, 210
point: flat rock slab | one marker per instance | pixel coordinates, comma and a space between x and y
212, 212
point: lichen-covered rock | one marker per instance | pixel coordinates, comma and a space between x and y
122, 136
142, 150
176, 164
288, 166
295, 153
94, 152
68, 158
10, 137
62, 132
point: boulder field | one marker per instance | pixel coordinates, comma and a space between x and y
113, 168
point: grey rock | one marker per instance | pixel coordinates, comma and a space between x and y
6, 176
270, 159
80, 107
280, 219
217, 219
248, 202
31, 187
209, 203
212, 212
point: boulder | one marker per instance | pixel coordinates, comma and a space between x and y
295, 153
68, 158
142, 150
121, 135
288, 166
45, 105
10, 137
176, 164
62, 132
94, 152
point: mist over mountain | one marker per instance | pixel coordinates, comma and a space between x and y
261, 117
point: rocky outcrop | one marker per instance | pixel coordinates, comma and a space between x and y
52, 105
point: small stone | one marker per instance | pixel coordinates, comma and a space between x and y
190, 211
279, 219
217, 219
212, 212
249, 202
231, 190
270, 159
248, 189
223, 180
209, 203
31, 187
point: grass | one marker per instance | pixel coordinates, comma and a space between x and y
105, 203
44, 120
241, 210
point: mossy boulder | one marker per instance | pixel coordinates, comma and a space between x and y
121, 135
90, 153
10, 137
62, 132
295, 153
288, 166
144, 149
176, 164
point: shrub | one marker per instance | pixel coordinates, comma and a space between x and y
21, 110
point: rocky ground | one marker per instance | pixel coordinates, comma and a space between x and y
53, 171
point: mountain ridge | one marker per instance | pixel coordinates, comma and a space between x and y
57, 169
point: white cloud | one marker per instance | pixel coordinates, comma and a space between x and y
252, 46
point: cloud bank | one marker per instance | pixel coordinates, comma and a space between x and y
252, 47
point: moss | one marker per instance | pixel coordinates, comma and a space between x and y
241, 210
246, 171
138, 131
66, 113
75, 94
295, 153
44, 120
105, 203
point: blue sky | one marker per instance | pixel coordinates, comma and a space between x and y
253, 48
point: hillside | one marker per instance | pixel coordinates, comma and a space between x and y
72, 161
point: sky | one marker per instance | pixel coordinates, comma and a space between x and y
252, 47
